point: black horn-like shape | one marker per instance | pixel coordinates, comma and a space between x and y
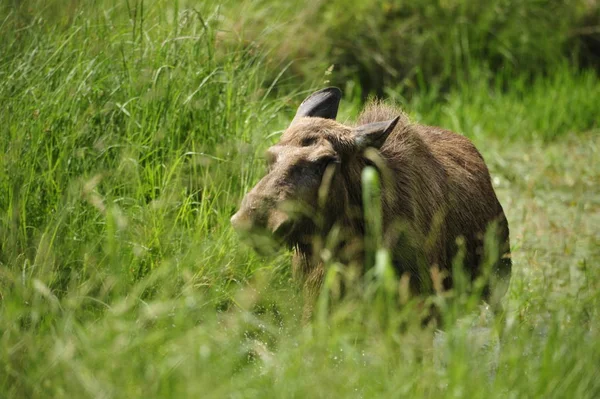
374, 134
323, 104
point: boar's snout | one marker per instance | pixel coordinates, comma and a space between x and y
258, 216
241, 222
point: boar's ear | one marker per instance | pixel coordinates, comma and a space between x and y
374, 134
323, 104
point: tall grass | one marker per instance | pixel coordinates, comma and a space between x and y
113, 128
547, 107
128, 133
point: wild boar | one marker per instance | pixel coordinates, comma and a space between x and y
436, 195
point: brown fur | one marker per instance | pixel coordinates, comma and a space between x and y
435, 189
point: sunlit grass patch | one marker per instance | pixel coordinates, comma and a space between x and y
127, 138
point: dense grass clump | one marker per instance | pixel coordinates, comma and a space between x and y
380, 43
129, 131
547, 107
123, 123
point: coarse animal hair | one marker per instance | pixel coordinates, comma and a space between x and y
436, 196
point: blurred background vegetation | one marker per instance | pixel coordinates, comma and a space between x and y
382, 45
130, 130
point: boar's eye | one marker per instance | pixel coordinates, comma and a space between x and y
324, 161
308, 141
306, 168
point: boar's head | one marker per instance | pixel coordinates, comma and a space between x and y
313, 178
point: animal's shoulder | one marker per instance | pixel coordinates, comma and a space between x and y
444, 141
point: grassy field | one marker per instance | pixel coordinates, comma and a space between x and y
129, 132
